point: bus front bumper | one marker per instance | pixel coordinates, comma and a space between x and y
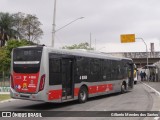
27, 96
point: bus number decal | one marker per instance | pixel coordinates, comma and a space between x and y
83, 77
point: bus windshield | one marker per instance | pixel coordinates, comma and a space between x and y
27, 54
27, 60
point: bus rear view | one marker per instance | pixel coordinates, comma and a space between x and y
26, 79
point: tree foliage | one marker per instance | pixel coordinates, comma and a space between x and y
18, 23
32, 28
4, 60
28, 26
84, 45
20, 26
6, 28
5, 52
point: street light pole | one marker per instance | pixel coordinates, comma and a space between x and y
68, 24
54, 31
146, 49
146, 53
54, 23
101, 48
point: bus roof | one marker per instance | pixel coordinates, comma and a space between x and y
85, 53
80, 52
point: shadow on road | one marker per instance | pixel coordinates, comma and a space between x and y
51, 106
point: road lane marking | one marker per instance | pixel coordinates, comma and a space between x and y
155, 118
152, 89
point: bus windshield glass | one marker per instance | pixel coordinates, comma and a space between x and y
27, 54
26, 60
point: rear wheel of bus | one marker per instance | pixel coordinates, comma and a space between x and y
135, 82
123, 87
83, 94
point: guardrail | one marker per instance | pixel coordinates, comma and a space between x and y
136, 54
4, 89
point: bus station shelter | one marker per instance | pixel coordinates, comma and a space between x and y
152, 72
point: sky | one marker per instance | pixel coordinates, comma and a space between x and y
105, 20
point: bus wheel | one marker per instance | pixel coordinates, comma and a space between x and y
83, 95
123, 88
135, 82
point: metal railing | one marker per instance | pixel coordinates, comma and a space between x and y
137, 54
5, 82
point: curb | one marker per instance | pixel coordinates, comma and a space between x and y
9, 100
158, 93
152, 88
2, 93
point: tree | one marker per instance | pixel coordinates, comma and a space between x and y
79, 46
6, 28
19, 26
32, 30
28, 26
4, 60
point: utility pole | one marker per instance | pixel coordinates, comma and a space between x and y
54, 24
90, 41
95, 43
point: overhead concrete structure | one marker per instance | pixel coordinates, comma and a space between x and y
139, 58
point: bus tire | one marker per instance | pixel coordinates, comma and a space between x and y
123, 88
135, 82
83, 94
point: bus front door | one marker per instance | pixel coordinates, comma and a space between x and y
67, 78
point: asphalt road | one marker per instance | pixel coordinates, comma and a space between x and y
141, 98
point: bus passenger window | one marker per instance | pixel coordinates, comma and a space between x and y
54, 71
95, 67
86, 63
79, 67
55, 66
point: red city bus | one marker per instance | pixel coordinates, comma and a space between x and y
52, 75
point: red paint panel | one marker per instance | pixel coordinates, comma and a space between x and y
92, 89
110, 86
101, 88
54, 94
25, 82
57, 94
76, 91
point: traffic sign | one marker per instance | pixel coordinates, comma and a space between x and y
126, 38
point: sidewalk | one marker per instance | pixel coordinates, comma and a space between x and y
2, 93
